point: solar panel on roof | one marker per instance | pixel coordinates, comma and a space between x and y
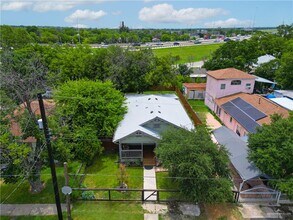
248, 109
248, 123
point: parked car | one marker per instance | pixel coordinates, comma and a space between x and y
176, 43
197, 42
227, 39
136, 44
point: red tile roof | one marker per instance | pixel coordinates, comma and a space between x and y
230, 73
195, 86
14, 126
261, 103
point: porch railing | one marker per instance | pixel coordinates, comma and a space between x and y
125, 154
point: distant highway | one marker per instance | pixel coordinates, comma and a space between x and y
160, 45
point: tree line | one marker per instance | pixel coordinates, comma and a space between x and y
243, 55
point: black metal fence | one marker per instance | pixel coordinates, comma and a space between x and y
119, 194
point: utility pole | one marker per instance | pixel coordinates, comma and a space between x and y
50, 154
67, 195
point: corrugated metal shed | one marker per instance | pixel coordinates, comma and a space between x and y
238, 150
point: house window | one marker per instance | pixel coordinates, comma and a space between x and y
236, 82
231, 119
223, 86
138, 133
248, 85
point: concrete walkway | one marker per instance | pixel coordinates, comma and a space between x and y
149, 182
29, 209
212, 123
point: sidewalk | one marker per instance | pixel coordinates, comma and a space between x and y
29, 209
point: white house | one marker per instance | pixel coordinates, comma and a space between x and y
147, 117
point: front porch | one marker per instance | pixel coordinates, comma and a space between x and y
137, 153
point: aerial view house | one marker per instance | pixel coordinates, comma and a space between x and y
243, 112
224, 82
147, 117
194, 90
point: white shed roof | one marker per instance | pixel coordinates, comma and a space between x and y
264, 59
143, 108
284, 102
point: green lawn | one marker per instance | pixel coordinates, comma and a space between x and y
200, 108
165, 182
188, 54
107, 210
22, 194
103, 174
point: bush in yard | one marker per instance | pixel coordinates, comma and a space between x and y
198, 165
88, 195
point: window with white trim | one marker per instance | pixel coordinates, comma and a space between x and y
236, 82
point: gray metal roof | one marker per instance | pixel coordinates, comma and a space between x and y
242, 117
238, 150
143, 108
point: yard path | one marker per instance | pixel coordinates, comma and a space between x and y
211, 122
149, 182
29, 209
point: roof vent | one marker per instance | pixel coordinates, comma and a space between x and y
159, 106
152, 112
136, 105
149, 98
156, 98
159, 112
146, 107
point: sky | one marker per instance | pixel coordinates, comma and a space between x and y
147, 13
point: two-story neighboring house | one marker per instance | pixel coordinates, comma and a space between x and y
229, 95
225, 82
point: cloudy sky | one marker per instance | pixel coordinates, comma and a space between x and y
147, 13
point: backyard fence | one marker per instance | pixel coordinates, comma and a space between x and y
188, 108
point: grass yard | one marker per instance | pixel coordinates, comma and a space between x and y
22, 194
200, 108
188, 54
107, 210
164, 182
103, 174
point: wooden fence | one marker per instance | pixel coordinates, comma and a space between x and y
188, 108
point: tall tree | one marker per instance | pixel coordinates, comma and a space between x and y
196, 163
237, 54
22, 77
88, 110
271, 149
